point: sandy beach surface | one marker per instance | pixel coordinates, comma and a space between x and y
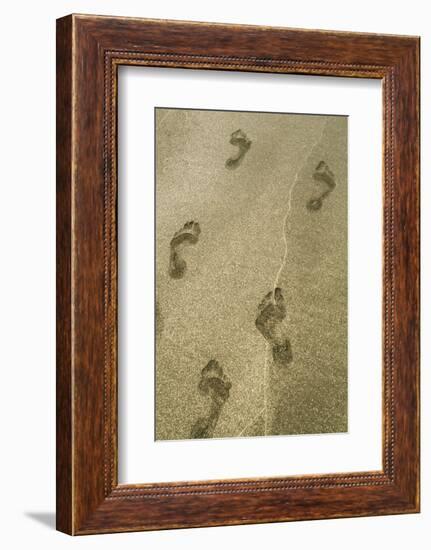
257, 232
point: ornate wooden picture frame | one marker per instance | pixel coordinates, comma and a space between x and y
89, 51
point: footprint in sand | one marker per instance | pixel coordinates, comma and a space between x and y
216, 385
269, 322
240, 140
186, 236
324, 175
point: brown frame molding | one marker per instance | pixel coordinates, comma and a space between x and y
89, 51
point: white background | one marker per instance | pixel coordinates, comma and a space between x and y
27, 232
141, 458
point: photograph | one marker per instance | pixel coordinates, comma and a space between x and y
251, 273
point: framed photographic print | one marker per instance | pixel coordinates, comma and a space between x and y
237, 274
